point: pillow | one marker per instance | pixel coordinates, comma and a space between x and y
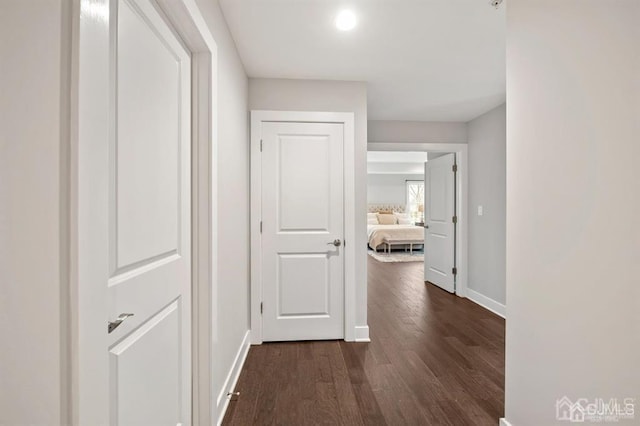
372, 216
373, 221
387, 219
403, 218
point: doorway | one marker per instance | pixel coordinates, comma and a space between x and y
460, 194
395, 205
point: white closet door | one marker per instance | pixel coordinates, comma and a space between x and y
302, 251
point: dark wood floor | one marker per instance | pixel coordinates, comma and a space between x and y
434, 358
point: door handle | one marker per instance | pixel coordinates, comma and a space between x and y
115, 324
426, 227
335, 242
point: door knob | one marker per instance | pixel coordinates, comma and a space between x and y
114, 324
426, 227
335, 242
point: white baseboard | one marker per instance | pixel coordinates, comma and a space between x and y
504, 422
487, 303
461, 291
232, 378
362, 333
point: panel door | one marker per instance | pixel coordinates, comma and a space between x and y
302, 231
149, 236
439, 232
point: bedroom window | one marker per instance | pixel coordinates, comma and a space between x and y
415, 199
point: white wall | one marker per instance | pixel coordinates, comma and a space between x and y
380, 168
232, 312
389, 188
487, 187
332, 96
573, 203
32, 264
417, 131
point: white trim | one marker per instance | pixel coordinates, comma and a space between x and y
462, 190
256, 215
350, 249
187, 20
222, 402
487, 303
189, 24
504, 422
362, 333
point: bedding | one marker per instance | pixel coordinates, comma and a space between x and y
387, 219
378, 233
403, 218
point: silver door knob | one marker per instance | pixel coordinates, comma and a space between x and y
335, 242
115, 324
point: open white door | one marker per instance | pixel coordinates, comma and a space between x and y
134, 215
439, 222
302, 231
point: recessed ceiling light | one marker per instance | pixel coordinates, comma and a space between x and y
346, 20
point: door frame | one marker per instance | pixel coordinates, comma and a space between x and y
347, 119
462, 189
88, 24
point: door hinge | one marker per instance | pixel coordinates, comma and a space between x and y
260, 307
455, 168
454, 271
260, 145
455, 219
261, 227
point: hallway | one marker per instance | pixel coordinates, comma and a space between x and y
434, 358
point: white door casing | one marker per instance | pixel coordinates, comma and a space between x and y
302, 215
134, 218
439, 212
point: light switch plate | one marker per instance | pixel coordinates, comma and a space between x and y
480, 211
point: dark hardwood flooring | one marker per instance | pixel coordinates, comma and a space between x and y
434, 359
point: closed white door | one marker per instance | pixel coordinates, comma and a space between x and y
439, 222
142, 363
302, 231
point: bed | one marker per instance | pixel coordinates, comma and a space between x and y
386, 236
392, 228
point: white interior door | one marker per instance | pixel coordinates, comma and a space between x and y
302, 218
143, 262
439, 212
